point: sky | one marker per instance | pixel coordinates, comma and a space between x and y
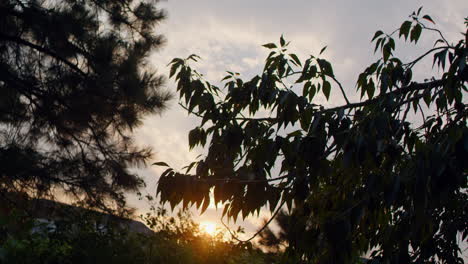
228, 35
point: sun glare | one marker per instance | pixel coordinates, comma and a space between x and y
208, 227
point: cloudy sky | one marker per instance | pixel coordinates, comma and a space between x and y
228, 36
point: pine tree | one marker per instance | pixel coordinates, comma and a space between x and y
72, 87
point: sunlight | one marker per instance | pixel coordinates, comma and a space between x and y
208, 227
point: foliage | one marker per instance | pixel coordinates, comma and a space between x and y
292, 238
78, 240
72, 89
387, 174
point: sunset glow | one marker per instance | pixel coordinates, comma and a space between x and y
208, 228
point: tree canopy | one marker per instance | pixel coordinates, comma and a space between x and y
386, 175
73, 87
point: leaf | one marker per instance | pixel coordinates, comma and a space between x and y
160, 163
193, 57
175, 61
312, 72
427, 17
377, 34
370, 89
296, 133
206, 202
173, 70
404, 29
189, 167
416, 33
226, 77
305, 90
270, 46
325, 67
295, 59
387, 51
322, 50
391, 43
438, 41
340, 113
379, 41
312, 92
326, 89
193, 137
419, 10
282, 42
273, 199
427, 99
306, 118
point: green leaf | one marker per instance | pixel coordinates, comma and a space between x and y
404, 29
312, 92
326, 89
391, 43
282, 42
226, 77
305, 90
387, 51
416, 33
173, 70
270, 46
193, 57
427, 99
295, 59
377, 34
160, 163
176, 61
322, 50
377, 44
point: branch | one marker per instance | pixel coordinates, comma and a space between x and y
259, 231
214, 181
43, 50
341, 88
412, 87
269, 119
436, 30
411, 64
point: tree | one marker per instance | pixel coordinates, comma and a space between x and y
85, 236
293, 238
366, 177
293, 234
73, 86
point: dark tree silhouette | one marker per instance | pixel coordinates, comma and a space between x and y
386, 174
72, 88
291, 235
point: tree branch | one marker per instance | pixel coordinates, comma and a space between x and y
341, 88
43, 50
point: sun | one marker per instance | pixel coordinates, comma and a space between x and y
208, 228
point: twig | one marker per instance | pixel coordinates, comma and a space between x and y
341, 88
259, 231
